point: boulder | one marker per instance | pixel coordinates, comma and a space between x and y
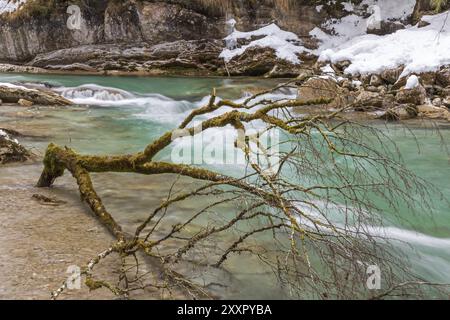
11, 150
375, 80
391, 75
386, 27
443, 77
14, 94
368, 100
428, 78
400, 112
446, 102
342, 65
434, 112
414, 96
323, 88
25, 103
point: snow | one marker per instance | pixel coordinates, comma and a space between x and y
412, 82
399, 9
354, 24
286, 44
348, 6
13, 86
418, 49
7, 137
7, 6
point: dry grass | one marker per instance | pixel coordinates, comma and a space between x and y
225, 6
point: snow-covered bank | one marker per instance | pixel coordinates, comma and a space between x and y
286, 45
417, 49
373, 36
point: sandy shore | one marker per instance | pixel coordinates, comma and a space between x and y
39, 242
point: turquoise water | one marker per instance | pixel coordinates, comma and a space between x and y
126, 120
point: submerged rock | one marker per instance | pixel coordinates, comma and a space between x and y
11, 150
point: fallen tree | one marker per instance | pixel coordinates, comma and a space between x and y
319, 205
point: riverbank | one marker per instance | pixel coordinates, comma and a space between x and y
40, 241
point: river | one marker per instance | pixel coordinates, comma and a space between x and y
119, 115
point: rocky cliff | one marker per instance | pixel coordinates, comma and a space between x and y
172, 36
158, 37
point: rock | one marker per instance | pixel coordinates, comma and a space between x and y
437, 102
443, 77
382, 89
5, 67
185, 57
46, 201
264, 62
434, 90
305, 74
25, 103
425, 7
365, 79
423, 24
372, 89
375, 80
400, 112
414, 96
342, 65
368, 101
386, 27
11, 150
13, 94
322, 88
434, 112
428, 78
446, 102
391, 75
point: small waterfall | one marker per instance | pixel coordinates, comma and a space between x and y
95, 92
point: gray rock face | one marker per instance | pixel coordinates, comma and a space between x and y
145, 35
178, 57
38, 28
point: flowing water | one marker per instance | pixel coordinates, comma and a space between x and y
118, 115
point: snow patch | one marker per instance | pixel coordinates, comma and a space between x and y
412, 82
6, 136
8, 6
339, 31
14, 86
286, 44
